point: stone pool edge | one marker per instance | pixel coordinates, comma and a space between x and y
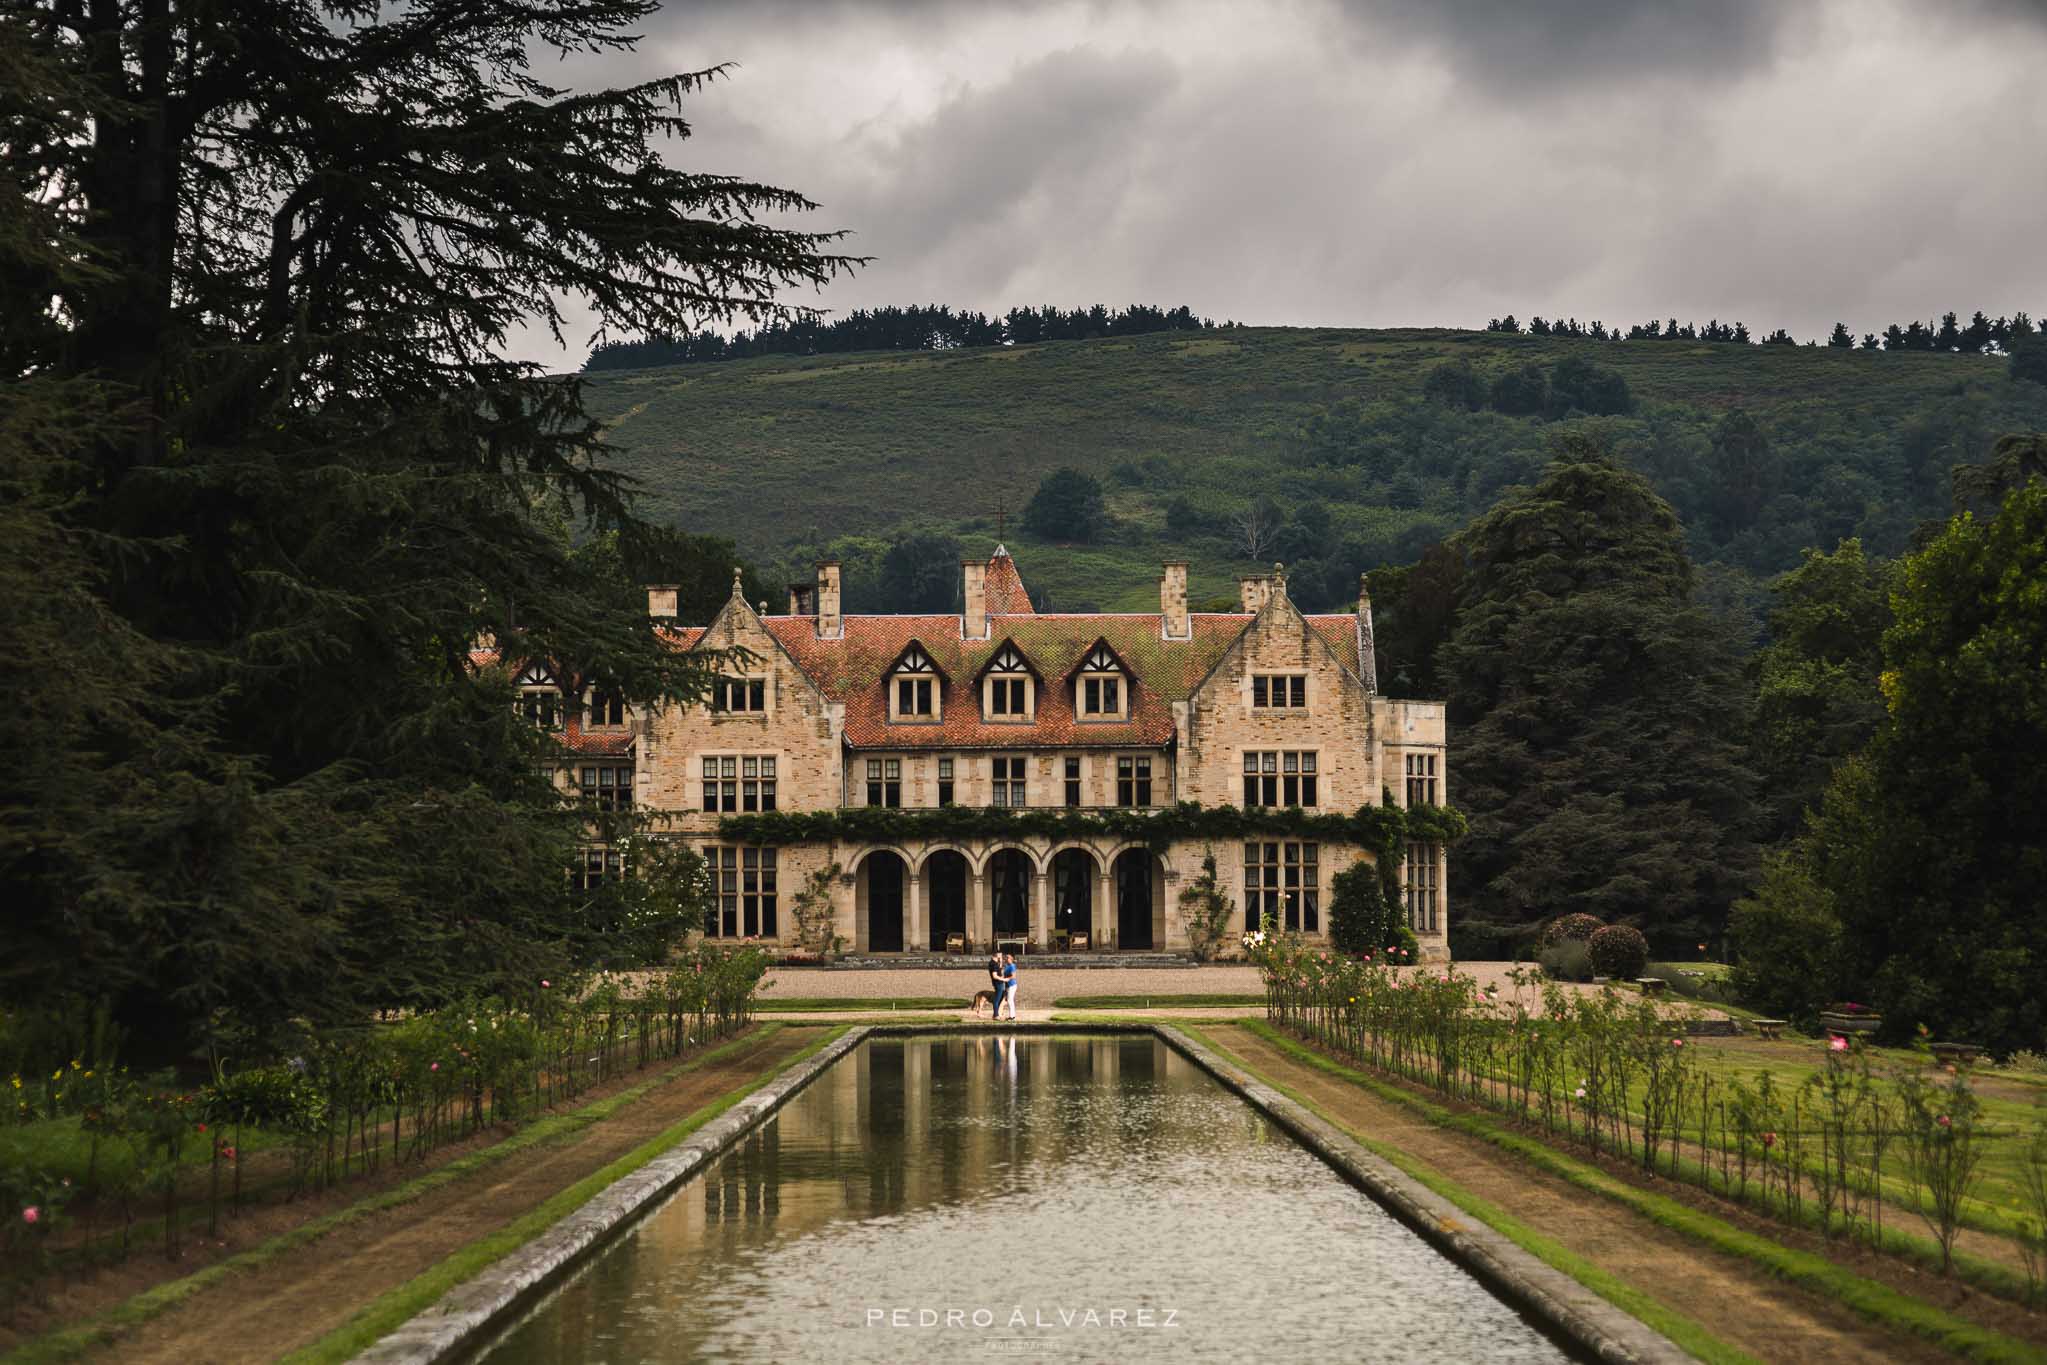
1509, 1270
457, 1323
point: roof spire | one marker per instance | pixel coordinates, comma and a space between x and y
737, 591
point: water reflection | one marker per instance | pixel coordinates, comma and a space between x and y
1052, 1198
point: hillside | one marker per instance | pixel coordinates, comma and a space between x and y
796, 458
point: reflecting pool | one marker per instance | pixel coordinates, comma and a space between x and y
1036, 1197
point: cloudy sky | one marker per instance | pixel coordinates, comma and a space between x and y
1404, 162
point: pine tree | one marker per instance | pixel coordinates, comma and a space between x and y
1599, 709
287, 254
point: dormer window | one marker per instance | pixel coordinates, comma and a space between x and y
540, 697
914, 695
1100, 693
604, 705
1008, 688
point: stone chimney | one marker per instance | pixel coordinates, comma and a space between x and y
1254, 592
974, 602
803, 599
1173, 601
830, 625
661, 599
1368, 651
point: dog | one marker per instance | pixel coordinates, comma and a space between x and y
983, 998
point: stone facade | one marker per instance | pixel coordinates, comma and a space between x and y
1116, 710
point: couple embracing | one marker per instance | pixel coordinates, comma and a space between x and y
1002, 982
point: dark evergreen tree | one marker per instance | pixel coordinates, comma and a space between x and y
1600, 710
1578, 385
1521, 392
1841, 338
287, 248
1743, 471
1931, 843
1816, 681
1456, 384
1067, 507
921, 573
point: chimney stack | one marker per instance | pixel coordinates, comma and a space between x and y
1173, 601
974, 602
1368, 650
803, 599
830, 625
661, 599
1254, 592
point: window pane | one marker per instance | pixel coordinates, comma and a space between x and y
1258, 690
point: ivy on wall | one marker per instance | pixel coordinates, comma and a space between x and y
1381, 829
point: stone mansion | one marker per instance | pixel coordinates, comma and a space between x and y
1002, 705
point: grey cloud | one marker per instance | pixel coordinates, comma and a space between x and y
1395, 163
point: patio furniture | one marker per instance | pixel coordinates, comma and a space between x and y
1952, 1055
1078, 943
1651, 985
955, 943
1015, 947
1769, 1029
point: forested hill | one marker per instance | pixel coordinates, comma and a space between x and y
1333, 450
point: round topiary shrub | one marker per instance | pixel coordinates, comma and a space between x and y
1579, 926
1619, 952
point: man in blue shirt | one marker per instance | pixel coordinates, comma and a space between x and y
1008, 987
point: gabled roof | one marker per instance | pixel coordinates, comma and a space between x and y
1006, 643
1081, 662
852, 667
1006, 595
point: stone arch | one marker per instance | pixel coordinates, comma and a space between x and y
1012, 873
881, 900
1138, 888
945, 873
1074, 872
926, 851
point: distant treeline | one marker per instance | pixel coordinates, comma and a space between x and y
1975, 337
928, 328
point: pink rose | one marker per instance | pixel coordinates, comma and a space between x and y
1769, 1139
544, 985
1837, 1044
435, 1067
31, 1214
1943, 1121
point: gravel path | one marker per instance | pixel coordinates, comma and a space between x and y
1041, 987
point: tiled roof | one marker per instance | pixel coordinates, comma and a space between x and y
853, 669
594, 743
1006, 594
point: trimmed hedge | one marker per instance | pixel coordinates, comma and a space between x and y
1619, 951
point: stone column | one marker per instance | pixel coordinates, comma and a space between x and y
916, 934
980, 915
1041, 909
1105, 906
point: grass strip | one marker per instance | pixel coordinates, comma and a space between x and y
1146, 1002
806, 1004
1686, 1332
389, 1310
71, 1343
1878, 1303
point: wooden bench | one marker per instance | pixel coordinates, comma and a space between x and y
1952, 1055
1651, 985
1015, 947
1768, 1029
1078, 943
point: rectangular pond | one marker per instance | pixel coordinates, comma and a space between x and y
1038, 1197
